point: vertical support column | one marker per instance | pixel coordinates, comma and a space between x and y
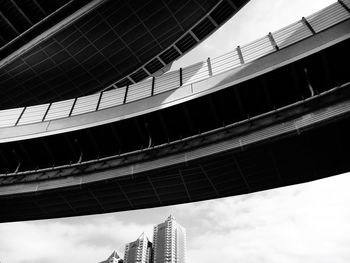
126, 93
308, 25
99, 101
18, 159
273, 42
210, 70
306, 73
71, 110
47, 111
240, 55
20, 116
153, 81
180, 76
344, 5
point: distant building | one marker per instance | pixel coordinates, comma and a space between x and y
113, 258
139, 251
169, 242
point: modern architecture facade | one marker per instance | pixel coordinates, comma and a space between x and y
267, 114
138, 251
113, 258
76, 48
169, 242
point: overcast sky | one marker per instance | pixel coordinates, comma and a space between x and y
302, 223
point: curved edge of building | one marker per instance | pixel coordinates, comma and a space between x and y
250, 70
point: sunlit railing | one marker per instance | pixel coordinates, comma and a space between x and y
247, 139
273, 42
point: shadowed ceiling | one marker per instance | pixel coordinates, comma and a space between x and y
117, 42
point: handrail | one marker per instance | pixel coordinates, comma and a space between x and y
335, 13
127, 155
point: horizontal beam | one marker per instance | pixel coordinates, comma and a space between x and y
170, 98
166, 154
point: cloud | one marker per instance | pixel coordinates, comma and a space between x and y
253, 21
302, 223
65, 241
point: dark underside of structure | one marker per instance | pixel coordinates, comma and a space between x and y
296, 157
308, 156
116, 42
268, 92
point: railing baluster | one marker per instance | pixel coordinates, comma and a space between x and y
152, 90
240, 55
20, 116
308, 25
180, 76
273, 42
71, 110
290, 34
344, 5
126, 94
99, 101
46, 112
210, 70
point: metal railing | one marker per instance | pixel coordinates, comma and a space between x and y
266, 132
273, 42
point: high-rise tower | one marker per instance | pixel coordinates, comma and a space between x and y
139, 251
169, 242
113, 258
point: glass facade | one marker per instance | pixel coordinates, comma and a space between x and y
169, 242
138, 251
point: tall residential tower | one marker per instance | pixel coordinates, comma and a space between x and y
139, 251
113, 258
169, 242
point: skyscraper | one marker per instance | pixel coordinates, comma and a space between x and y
169, 242
139, 251
113, 258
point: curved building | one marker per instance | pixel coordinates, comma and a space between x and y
270, 113
55, 50
169, 242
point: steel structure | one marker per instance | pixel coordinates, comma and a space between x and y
59, 49
270, 113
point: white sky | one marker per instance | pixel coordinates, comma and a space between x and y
256, 19
302, 223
